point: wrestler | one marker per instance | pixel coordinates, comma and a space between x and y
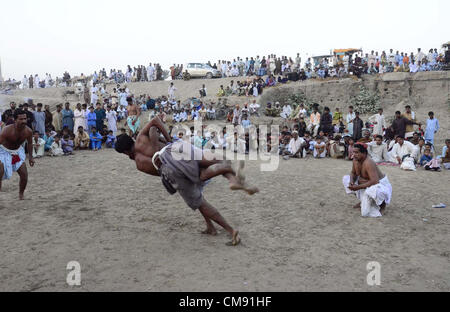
12, 153
158, 156
368, 183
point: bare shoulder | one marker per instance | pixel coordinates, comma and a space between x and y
369, 163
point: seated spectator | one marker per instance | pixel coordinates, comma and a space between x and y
38, 145
320, 150
95, 140
211, 113
221, 92
296, 147
377, 150
254, 108
405, 152
366, 137
110, 140
67, 145
56, 149
428, 162
49, 138
81, 139
445, 156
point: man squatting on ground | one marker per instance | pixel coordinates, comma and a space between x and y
368, 183
154, 155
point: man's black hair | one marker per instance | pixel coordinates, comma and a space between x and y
379, 137
18, 112
362, 148
124, 143
398, 113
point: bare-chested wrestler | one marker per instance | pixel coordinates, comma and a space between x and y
154, 155
368, 183
12, 153
133, 120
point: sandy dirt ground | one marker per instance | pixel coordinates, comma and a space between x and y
299, 234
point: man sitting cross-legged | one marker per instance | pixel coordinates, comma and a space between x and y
182, 168
368, 183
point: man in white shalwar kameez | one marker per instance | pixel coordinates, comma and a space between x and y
94, 96
378, 150
368, 183
405, 153
111, 117
379, 122
171, 92
287, 110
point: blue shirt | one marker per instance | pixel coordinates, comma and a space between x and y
92, 119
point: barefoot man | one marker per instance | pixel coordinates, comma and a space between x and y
133, 117
12, 153
158, 156
368, 183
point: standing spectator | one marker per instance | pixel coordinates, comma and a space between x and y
358, 125
67, 117
39, 120
79, 117
30, 116
111, 117
91, 119
432, 128
48, 117
57, 118
100, 115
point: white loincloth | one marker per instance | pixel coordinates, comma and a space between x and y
6, 156
372, 197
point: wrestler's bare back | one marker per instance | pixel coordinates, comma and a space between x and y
149, 142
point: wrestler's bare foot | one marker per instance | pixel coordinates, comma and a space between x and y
21, 196
357, 206
237, 185
211, 232
235, 239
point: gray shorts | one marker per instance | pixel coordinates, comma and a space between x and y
183, 175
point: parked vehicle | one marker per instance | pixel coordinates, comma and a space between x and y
201, 70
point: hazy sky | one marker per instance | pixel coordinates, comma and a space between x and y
82, 36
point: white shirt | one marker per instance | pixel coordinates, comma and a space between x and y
294, 145
405, 149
